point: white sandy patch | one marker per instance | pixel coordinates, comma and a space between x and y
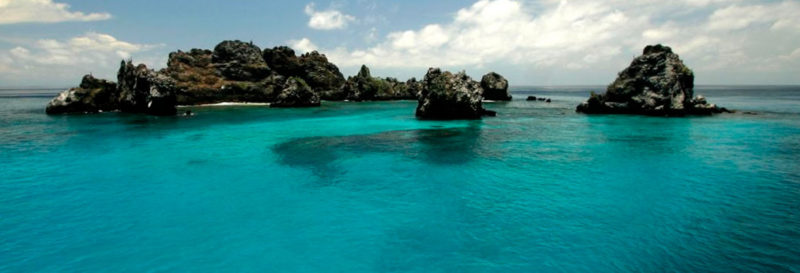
228, 104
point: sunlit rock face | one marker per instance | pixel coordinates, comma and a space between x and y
92, 96
447, 96
655, 83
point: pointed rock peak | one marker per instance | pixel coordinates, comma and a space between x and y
364, 72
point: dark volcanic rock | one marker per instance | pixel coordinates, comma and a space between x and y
196, 78
199, 82
396, 90
364, 87
531, 98
92, 96
142, 90
283, 61
495, 87
656, 83
296, 93
413, 88
322, 76
138, 90
240, 61
450, 96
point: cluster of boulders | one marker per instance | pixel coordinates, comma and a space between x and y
138, 90
534, 98
237, 71
91, 96
446, 95
656, 83
364, 87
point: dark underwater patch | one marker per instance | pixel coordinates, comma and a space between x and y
322, 155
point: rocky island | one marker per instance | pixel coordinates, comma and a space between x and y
446, 95
656, 83
237, 71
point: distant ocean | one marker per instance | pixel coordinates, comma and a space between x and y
365, 187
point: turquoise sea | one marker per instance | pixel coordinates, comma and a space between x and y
365, 187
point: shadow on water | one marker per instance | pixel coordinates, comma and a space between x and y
448, 146
325, 156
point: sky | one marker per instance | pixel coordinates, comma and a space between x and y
52, 43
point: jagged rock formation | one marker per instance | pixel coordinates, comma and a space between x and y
138, 90
446, 96
240, 72
296, 93
237, 71
656, 83
142, 90
495, 87
364, 87
320, 74
199, 80
283, 60
92, 96
240, 61
397, 90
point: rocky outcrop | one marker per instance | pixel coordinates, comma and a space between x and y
321, 75
656, 83
92, 96
495, 87
240, 72
138, 90
364, 87
237, 71
199, 82
240, 61
142, 90
447, 96
397, 90
283, 61
296, 93
314, 68
414, 88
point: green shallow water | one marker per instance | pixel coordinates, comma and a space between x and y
365, 187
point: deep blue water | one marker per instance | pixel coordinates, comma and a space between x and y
365, 187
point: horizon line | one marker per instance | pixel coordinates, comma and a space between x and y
29, 88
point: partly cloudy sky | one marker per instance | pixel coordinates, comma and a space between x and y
51, 43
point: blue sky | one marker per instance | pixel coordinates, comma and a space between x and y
52, 43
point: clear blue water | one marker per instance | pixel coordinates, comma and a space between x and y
365, 187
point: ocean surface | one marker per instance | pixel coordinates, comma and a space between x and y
365, 187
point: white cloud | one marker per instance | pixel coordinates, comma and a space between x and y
303, 45
67, 60
500, 30
43, 11
87, 49
328, 19
590, 35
